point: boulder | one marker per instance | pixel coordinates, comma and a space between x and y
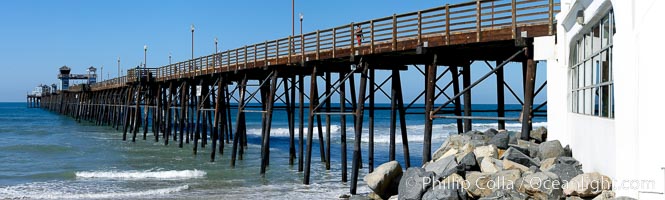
539, 134
491, 165
541, 185
624, 198
384, 179
513, 136
478, 184
506, 195
519, 157
473, 132
565, 171
534, 169
605, 195
469, 161
569, 161
524, 149
375, 196
462, 151
587, 185
550, 149
547, 163
504, 180
486, 151
500, 140
453, 178
452, 142
567, 151
531, 146
451, 152
481, 137
478, 143
452, 191
414, 183
442, 165
508, 165
490, 132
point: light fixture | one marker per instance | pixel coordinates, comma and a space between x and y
580, 17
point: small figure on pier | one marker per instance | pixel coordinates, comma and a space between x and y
359, 34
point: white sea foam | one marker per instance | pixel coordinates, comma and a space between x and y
63, 190
147, 174
382, 133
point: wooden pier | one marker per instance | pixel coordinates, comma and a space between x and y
189, 101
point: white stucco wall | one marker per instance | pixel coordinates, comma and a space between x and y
629, 147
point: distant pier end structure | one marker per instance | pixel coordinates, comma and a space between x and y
190, 102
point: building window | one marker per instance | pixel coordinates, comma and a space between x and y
591, 82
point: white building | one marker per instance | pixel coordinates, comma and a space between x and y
605, 90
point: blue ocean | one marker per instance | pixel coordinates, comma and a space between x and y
44, 155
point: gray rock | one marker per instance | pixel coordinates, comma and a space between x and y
534, 169
452, 142
489, 151
605, 195
490, 132
541, 185
394, 197
360, 197
500, 140
478, 186
531, 146
478, 143
568, 161
519, 157
550, 149
513, 137
374, 196
491, 165
384, 179
523, 148
473, 132
587, 185
508, 165
505, 180
567, 151
624, 198
442, 165
506, 195
482, 137
547, 163
452, 191
564, 171
539, 134
414, 182
469, 161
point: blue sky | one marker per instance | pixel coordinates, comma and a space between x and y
39, 36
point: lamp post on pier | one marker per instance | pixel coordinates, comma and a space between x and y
301, 36
191, 62
214, 61
118, 66
145, 56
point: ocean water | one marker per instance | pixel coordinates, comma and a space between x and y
44, 155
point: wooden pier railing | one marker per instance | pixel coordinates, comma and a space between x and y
400, 32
